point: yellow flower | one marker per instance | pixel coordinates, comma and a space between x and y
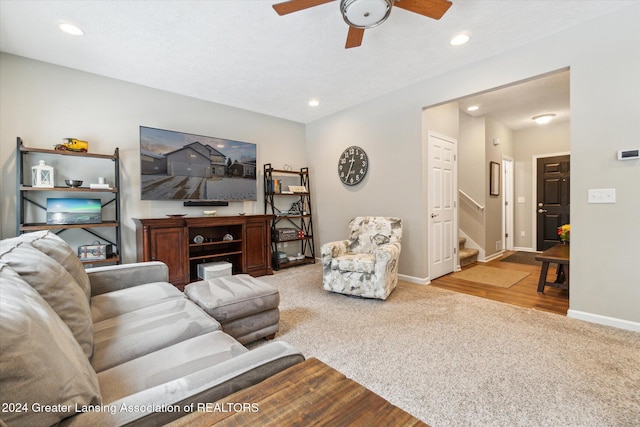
564, 232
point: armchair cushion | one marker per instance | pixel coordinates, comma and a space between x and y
359, 263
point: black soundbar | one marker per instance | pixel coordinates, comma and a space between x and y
205, 203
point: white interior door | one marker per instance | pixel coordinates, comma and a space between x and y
443, 218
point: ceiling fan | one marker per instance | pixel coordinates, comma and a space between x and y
363, 14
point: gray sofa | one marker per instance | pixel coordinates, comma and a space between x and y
111, 345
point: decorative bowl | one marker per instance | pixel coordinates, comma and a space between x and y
73, 182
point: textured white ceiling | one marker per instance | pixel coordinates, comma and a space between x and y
242, 54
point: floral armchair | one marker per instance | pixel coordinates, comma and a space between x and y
366, 264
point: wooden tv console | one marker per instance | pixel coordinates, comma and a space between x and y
184, 242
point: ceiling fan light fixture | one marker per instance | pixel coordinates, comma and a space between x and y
365, 13
543, 119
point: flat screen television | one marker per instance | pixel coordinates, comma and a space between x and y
187, 167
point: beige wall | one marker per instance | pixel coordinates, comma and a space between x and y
471, 170
43, 103
494, 208
604, 108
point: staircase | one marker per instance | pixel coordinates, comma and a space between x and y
467, 256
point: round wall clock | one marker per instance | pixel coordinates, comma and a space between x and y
353, 165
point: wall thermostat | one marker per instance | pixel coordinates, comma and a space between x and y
629, 154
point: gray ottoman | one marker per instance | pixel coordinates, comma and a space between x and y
247, 308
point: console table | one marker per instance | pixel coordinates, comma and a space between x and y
558, 254
309, 393
184, 242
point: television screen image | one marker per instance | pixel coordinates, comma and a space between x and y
183, 166
74, 211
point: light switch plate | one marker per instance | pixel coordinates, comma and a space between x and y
602, 195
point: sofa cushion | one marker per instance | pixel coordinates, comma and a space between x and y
134, 334
210, 383
55, 285
116, 303
51, 244
167, 364
40, 360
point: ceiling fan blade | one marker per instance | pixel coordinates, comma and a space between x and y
354, 37
429, 8
296, 5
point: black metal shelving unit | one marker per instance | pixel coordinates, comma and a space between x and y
296, 219
25, 192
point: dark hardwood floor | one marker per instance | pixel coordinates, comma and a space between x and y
523, 294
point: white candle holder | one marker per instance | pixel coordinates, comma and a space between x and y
42, 175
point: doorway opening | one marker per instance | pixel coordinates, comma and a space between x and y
497, 127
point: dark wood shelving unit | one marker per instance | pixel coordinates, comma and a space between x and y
24, 191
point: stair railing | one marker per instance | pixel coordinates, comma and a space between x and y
470, 201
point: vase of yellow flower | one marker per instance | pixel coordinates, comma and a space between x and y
564, 232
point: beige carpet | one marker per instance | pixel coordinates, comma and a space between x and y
452, 359
491, 276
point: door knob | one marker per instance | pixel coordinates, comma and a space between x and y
542, 210
433, 215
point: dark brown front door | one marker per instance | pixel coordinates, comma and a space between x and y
552, 206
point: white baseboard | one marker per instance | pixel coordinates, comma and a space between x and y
412, 279
523, 249
604, 320
492, 257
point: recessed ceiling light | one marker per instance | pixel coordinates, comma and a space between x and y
460, 39
71, 29
543, 119
314, 103
473, 108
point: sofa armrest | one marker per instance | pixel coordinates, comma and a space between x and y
170, 401
333, 250
116, 277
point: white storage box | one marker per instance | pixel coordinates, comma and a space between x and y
211, 270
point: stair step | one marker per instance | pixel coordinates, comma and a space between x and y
468, 256
461, 242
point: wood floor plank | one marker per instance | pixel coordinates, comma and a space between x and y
523, 294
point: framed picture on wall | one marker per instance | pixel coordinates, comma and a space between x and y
494, 179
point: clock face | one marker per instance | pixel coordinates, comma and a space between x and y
353, 165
